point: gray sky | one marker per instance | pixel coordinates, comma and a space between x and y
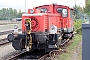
20, 4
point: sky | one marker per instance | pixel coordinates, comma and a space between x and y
20, 4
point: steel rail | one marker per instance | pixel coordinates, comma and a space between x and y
8, 32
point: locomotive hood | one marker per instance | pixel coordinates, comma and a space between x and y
37, 14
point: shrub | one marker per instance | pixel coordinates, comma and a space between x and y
78, 26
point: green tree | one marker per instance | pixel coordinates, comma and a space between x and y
87, 7
19, 14
78, 11
9, 13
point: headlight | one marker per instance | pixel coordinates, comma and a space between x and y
15, 26
31, 11
65, 28
52, 27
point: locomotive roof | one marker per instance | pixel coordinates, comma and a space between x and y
56, 5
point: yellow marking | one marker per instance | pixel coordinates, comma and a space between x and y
29, 32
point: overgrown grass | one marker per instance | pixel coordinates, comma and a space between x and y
80, 54
71, 49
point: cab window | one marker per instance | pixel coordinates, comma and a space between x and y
59, 10
62, 11
43, 10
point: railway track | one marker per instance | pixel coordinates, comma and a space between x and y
4, 40
9, 23
33, 55
14, 56
38, 54
8, 32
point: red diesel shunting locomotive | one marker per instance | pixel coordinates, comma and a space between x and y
44, 27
